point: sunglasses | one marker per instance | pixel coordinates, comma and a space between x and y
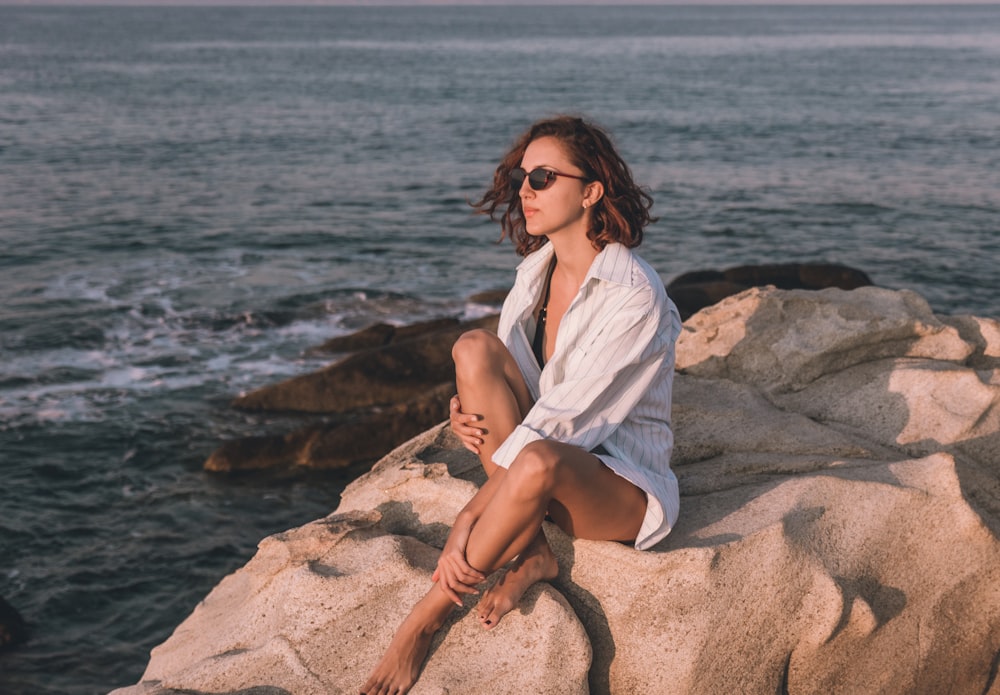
539, 179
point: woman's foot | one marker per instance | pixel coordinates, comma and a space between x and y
537, 563
400, 666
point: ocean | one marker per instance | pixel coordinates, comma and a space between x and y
192, 197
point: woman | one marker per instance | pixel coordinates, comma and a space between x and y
568, 406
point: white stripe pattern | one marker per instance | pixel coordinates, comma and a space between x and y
610, 379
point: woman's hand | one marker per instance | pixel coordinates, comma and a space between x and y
454, 574
463, 427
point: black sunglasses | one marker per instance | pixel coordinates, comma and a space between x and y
539, 179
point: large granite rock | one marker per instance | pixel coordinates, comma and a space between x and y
316, 606
840, 476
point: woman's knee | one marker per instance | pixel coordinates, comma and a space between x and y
536, 468
475, 348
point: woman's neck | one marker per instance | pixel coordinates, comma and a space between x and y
574, 256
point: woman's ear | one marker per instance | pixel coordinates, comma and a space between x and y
593, 192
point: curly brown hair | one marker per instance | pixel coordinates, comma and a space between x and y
620, 215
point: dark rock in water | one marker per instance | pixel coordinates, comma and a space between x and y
698, 289
396, 387
13, 630
494, 297
382, 334
338, 445
798, 276
691, 298
395, 373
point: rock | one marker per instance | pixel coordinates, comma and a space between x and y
838, 462
381, 334
691, 298
13, 629
338, 445
387, 375
983, 334
698, 289
858, 577
396, 387
785, 340
302, 617
490, 297
798, 276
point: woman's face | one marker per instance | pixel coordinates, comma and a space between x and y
560, 206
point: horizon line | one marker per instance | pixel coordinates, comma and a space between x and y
493, 3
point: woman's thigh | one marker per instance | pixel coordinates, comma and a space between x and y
589, 500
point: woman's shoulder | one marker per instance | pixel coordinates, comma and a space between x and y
626, 267
648, 294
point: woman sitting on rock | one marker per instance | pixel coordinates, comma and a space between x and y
568, 407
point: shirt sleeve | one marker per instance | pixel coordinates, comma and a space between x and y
614, 363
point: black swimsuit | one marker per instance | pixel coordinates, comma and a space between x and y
538, 343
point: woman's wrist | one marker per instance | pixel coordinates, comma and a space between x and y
464, 521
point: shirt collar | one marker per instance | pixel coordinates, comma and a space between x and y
534, 267
613, 264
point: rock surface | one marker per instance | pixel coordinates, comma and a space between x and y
313, 610
839, 463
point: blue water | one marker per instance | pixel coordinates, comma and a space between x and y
191, 197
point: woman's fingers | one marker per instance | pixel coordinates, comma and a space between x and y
452, 588
467, 424
464, 588
457, 567
468, 579
455, 598
458, 575
469, 574
462, 424
460, 418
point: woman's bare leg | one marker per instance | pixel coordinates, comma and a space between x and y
583, 496
400, 666
536, 563
490, 384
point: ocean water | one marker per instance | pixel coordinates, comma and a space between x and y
190, 198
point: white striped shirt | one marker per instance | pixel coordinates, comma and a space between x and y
608, 383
